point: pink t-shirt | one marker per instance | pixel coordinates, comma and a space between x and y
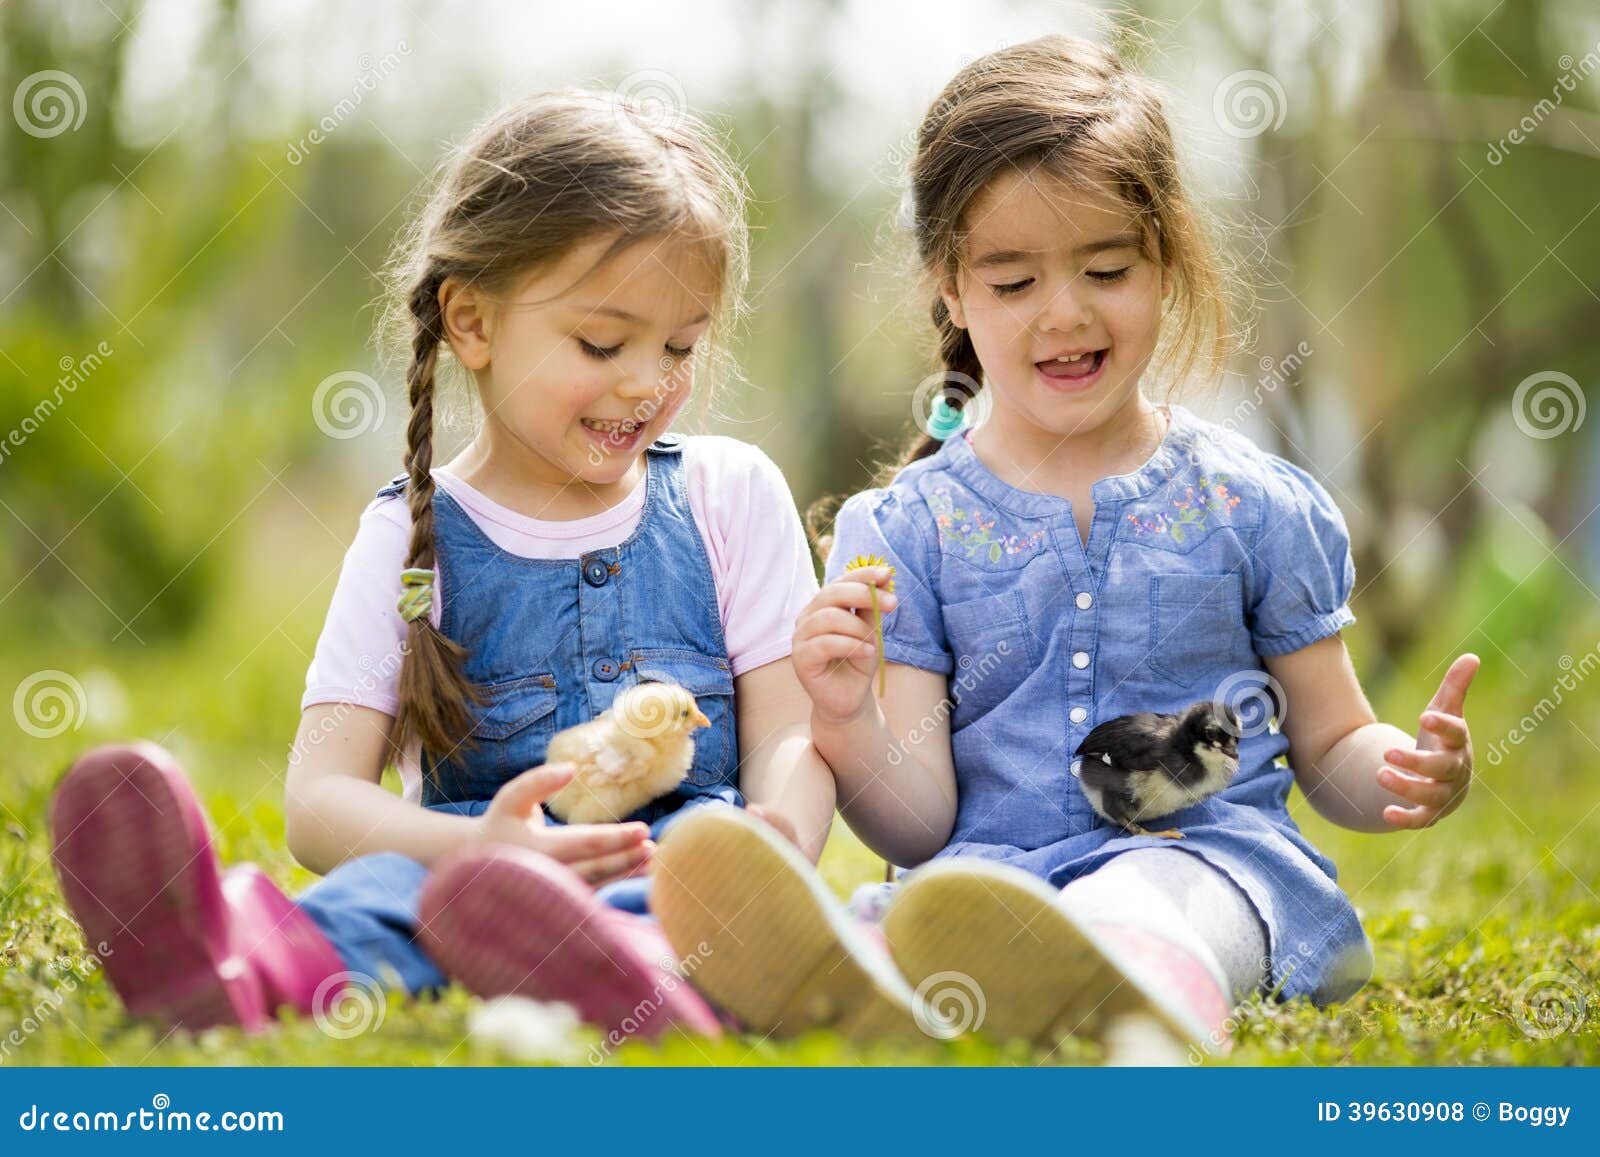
760, 563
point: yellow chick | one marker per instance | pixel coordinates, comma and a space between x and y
636, 752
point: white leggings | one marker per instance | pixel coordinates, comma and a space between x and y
1180, 897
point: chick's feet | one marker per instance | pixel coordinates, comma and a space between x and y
1164, 833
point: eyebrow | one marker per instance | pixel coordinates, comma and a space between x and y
624, 315
1008, 256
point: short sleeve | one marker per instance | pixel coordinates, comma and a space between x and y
878, 522
1303, 571
362, 644
766, 576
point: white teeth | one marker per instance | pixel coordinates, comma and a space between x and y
625, 427
1074, 358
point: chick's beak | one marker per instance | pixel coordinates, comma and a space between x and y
699, 718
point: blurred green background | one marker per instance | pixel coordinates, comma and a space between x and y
196, 197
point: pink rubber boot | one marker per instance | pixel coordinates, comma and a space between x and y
504, 919
181, 942
1195, 993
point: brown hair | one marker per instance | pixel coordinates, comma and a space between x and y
1072, 109
545, 174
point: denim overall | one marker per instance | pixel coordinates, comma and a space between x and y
1209, 557
552, 642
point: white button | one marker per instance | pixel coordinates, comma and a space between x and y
1085, 600
1078, 715
1080, 660
1077, 767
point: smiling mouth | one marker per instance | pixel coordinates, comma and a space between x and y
1079, 366
616, 428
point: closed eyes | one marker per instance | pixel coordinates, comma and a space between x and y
1103, 276
606, 353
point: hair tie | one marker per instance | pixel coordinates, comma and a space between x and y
416, 593
945, 420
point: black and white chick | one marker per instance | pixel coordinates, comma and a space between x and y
1145, 766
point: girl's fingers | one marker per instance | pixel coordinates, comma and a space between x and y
1450, 730
854, 596
866, 576
833, 621
600, 869
587, 841
1411, 818
1428, 793
1444, 766
831, 647
533, 787
1452, 694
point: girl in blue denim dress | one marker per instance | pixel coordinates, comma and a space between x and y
1058, 551
578, 251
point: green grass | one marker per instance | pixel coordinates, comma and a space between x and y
1466, 918
1461, 917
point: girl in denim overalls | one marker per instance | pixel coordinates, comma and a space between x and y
1060, 552
579, 258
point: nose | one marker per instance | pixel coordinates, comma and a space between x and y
1065, 311
651, 380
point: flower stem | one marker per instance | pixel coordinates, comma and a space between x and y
877, 626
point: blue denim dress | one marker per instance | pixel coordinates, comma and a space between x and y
553, 641
1211, 556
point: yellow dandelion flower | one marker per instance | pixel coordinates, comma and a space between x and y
862, 560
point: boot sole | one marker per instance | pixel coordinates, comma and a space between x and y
771, 945
997, 940
505, 921
134, 860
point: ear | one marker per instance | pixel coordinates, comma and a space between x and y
951, 295
1166, 281
468, 318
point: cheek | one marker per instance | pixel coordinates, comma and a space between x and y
549, 391
998, 330
1133, 316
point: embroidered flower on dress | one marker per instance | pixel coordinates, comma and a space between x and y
1208, 499
973, 532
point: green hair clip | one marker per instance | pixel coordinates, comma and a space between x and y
416, 593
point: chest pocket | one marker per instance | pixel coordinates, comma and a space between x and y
989, 639
1192, 619
710, 680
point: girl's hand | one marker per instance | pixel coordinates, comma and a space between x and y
835, 651
1436, 773
597, 852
